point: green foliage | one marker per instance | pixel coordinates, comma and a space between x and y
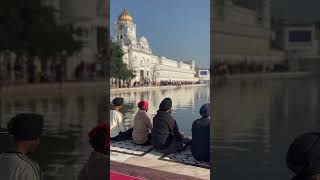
31, 28
118, 69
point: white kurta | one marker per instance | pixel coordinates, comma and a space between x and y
116, 123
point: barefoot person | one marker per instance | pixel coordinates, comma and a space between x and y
142, 125
15, 164
165, 134
303, 157
118, 132
97, 165
201, 135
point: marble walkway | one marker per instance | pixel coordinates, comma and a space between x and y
173, 165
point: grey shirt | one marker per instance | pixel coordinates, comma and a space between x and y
142, 126
17, 166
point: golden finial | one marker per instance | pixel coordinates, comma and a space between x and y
125, 16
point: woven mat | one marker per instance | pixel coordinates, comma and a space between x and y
185, 157
128, 147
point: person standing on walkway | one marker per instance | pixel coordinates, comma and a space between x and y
31, 71
118, 131
59, 72
97, 166
17, 70
81, 70
200, 146
165, 134
15, 164
142, 125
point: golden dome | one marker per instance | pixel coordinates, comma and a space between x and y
125, 16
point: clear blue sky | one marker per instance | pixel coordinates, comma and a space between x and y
178, 29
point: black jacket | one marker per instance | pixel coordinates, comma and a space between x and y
201, 139
163, 130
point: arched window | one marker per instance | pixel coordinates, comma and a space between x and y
142, 63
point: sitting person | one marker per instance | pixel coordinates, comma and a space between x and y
142, 125
303, 157
15, 164
165, 135
201, 135
118, 131
98, 163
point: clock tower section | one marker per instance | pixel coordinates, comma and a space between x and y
125, 29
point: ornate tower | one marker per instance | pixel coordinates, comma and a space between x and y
125, 29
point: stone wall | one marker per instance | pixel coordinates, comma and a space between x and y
240, 15
239, 33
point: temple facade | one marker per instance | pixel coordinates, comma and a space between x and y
140, 58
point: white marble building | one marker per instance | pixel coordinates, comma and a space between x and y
301, 42
91, 18
139, 57
88, 16
241, 32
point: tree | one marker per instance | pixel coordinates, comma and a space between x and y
118, 69
30, 28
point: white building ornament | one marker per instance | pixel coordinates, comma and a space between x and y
139, 56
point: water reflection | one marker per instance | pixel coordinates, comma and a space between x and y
68, 118
256, 120
186, 103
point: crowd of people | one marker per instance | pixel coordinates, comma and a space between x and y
162, 132
147, 83
89, 71
127, 83
143, 83
177, 83
56, 71
245, 68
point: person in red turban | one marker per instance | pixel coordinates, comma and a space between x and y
142, 125
96, 167
143, 105
100, 138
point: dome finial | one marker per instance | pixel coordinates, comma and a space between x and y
125, 16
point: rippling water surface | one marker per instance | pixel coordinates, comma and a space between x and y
256, 120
